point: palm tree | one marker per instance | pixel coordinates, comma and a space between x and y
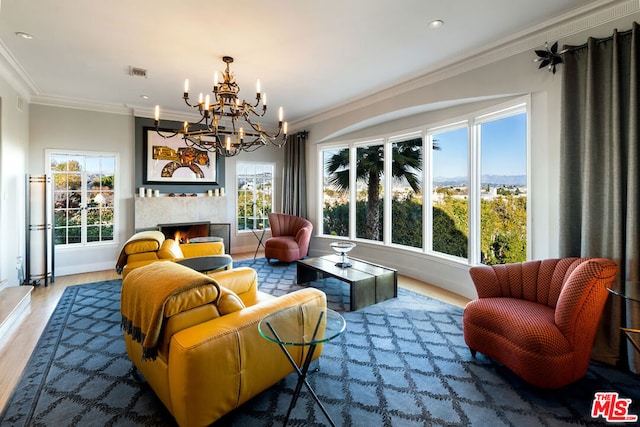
406, 165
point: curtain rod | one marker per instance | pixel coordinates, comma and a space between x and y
569, 48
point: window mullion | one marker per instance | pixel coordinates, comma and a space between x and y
427, 194
83, 209
475, 179
353, 178
387, 194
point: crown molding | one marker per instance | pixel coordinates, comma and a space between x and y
80, 104
15, 75
574, 22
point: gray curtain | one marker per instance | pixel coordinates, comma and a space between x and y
600, 179
294, 180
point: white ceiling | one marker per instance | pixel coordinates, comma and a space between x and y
310, 55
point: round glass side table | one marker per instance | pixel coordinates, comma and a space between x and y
302, 326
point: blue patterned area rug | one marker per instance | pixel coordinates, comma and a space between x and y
402, 362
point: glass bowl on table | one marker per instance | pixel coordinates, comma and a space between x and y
342, 248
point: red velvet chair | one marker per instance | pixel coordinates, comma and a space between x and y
290, 236
539, 318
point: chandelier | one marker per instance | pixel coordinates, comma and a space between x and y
220, 126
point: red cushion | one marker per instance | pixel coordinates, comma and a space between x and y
527, 325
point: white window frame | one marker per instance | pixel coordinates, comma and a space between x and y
273, 177
472, 121
116, 196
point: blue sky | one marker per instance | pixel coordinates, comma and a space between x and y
504, 150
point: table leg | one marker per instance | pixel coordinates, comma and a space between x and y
302, 376
628, 332
260, 238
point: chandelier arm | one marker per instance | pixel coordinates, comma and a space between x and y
251, 109
163, 134
186, 101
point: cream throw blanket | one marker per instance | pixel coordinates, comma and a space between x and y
157, 290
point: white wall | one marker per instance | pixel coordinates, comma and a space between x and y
515, 75
14, 142
90, 131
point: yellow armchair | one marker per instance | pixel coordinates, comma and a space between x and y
210, 356
147, 247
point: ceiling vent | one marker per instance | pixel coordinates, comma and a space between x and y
137, 72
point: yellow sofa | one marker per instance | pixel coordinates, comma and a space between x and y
209, 355
146, 247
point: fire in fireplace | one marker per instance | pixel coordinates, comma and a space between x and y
182, 232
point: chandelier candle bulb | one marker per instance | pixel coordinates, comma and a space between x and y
280, 115
264, 101
284, 128
258, 88
186, 88
157, 113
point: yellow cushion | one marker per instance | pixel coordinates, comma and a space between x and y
229, 302
191, 250
192, 298
144, 241
170, 249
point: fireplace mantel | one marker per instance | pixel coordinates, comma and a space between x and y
151, 211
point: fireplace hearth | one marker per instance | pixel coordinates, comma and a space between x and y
151, 213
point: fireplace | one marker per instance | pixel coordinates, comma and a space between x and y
182, 232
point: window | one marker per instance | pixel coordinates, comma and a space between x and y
369, 191
475, 170
503, 175
450, 191
335, 192
255, 195
84, 195
406, 191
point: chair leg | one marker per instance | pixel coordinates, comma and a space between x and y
473, 352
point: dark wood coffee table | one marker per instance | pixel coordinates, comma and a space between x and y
370, 283
205, 264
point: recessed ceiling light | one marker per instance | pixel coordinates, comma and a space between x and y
436, 23
144, 96
24, 35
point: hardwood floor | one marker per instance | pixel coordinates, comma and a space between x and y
16, 349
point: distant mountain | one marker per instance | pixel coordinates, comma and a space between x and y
493, 180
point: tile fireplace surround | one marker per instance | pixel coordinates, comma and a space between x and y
151, 211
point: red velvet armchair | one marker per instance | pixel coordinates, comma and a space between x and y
539, 318
290, 236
